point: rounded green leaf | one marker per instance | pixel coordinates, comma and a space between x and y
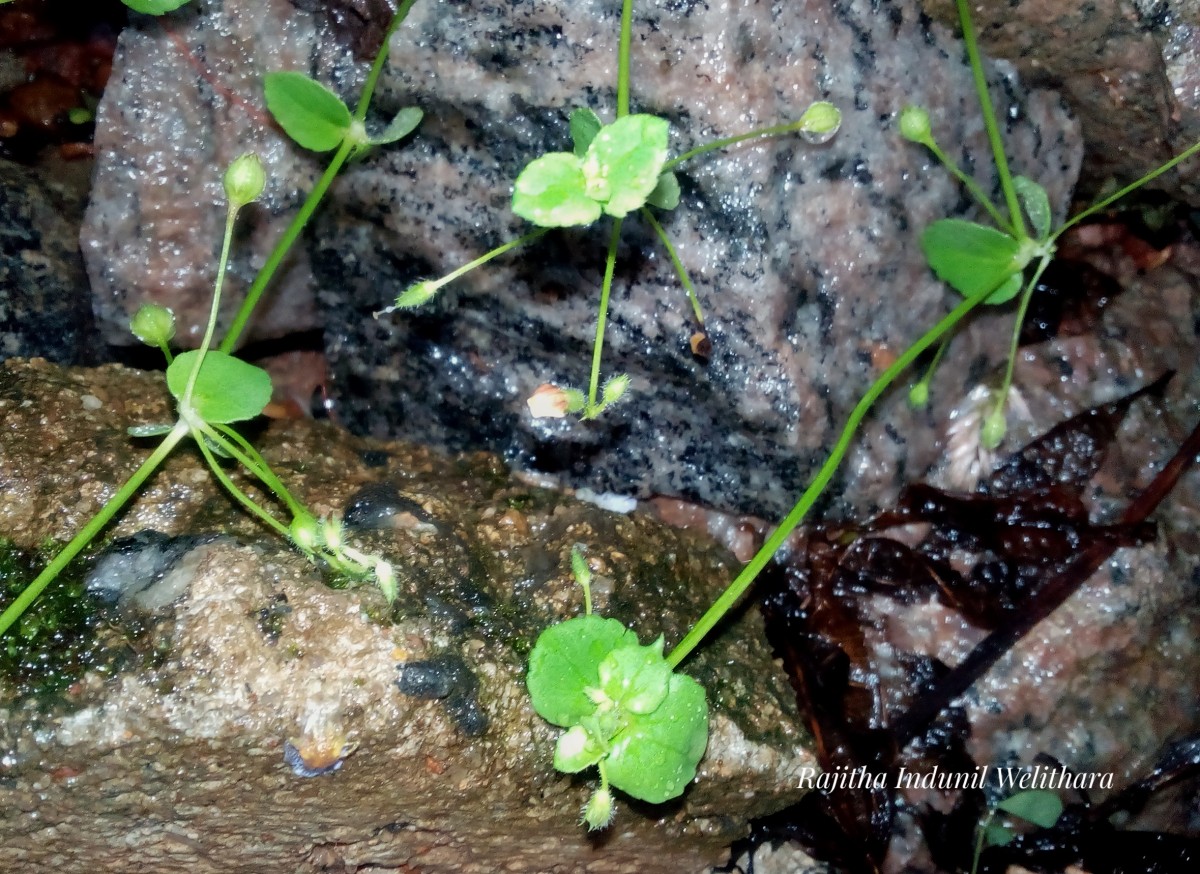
1037, 204
550, 193
576, 749
624, 161
311, 114
585, 124
666, 192
227, 389
655, 757
565, 663
402, 125
1038, 806
154, 7
974, 258
635, 678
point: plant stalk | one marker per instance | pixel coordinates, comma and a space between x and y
93, 528
750, 572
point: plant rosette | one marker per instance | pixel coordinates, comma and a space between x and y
624, 710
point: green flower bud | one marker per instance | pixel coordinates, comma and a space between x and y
614, 389
598, 812
417, 294
914, 125
244, 180
305, 532
152, 324
994, 428
918, 395
385, 575
821, 118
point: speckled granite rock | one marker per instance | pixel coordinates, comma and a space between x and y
175, 758
45, 308
1130, 69
805, 255
1113, 675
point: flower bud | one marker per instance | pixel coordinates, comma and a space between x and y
416, 295
152, 324
918, 395
385, 575
821, 118
914, 125
244, 180
548, 401
995, 426
598, 812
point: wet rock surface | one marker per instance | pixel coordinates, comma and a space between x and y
45, 309
1130, 71
185, 750
805, 255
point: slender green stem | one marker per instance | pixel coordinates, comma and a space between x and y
1022, 309
972, 186
255, 292
989, 121
1133, 186
937, 359
364, 99
485, 258
93, 528
752, 569
226, 243
241, 497
980, 832
257, 465
610, 263
623, 53
774, 130
680, 270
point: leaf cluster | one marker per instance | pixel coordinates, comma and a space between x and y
623, 706
613, 170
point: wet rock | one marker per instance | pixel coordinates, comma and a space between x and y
1129, 70
139, 571
45, 308
805, 255
191, 754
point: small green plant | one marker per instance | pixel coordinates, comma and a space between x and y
972, 257
625, 711
1040, 807
985, 265
213, 389
614, 169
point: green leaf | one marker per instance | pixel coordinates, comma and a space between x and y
1037, 204
148, 430
635, 678
312, 115
227, 389
1038, 806
655, 757
998, 835
666, 193
576, 749
402, 125
585, 124
565, 663
973, 258
154, 7
624, 161
550, 193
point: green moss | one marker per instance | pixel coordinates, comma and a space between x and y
56, 640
